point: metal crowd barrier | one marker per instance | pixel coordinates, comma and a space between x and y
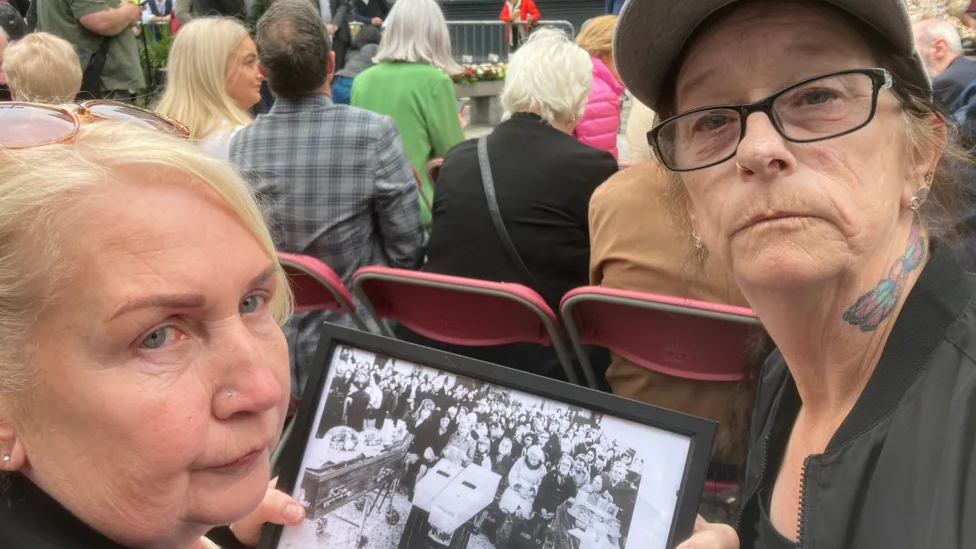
483, 41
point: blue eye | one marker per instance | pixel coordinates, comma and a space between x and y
251, 303
158, 338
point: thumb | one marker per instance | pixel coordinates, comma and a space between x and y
276, 508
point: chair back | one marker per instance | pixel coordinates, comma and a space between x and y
461, 311
317, 287
674, 336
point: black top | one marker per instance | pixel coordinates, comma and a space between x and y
31, 519
543, 181
950, 84
900, 472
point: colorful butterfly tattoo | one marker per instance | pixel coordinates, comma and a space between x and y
872, 308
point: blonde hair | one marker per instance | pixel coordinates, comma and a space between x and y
198, 74
42, 68
416, 32
550, 76
596, 36
39, 185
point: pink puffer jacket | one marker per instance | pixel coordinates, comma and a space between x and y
601, 119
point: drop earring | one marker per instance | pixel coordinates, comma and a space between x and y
921, 194
696, 241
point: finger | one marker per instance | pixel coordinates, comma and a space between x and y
276, 508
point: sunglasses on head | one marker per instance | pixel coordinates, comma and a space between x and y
25, 125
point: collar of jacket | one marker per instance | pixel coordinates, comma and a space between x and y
940, 296
285, 105
602, 71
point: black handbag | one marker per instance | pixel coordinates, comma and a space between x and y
489, 184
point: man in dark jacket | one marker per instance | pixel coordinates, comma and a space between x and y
937, 41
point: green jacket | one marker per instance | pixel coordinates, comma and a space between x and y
420, 99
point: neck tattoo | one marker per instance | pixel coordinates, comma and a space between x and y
872, 308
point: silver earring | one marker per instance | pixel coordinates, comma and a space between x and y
230, 393
696, 241
6, 458
920, 195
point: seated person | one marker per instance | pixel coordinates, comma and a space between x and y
941, 51
543, 179
213, 80
42, 68
336, 179
141, 315
636, 244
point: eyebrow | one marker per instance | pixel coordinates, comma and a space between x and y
184, 301
803, 48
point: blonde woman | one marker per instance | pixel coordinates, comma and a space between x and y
410, 84
213, 80
601, 119
142, 305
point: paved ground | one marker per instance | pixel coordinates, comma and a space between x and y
475, 131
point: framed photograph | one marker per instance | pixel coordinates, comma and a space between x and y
397, 446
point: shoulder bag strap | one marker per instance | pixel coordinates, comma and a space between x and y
496, 216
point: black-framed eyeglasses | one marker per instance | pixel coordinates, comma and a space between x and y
814, 109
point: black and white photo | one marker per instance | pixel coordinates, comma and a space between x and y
404, 456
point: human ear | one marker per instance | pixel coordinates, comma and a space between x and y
925, 158
12, 453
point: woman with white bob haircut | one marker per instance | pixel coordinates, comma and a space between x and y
543, 178
411, 84
143, 371
213, 80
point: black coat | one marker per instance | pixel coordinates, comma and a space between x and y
900, 472
543, 181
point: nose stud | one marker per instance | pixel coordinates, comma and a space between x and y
230, 393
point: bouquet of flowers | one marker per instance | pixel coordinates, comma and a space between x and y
485, 72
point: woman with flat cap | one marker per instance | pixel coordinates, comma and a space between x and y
805, 150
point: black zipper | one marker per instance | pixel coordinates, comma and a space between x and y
762, 477
803, 504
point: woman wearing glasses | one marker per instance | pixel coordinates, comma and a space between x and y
143, 371
804, 147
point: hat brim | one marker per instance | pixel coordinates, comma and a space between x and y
652, 34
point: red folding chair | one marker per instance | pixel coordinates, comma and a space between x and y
433, 170
461, 311
674, 336
317, 287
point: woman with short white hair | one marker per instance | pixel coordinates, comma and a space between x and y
411, 84
543, 178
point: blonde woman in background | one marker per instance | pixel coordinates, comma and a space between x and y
601, 119
213, 80
42, 68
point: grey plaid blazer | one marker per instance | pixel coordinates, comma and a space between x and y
338, 186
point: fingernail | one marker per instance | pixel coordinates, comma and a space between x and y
293, 512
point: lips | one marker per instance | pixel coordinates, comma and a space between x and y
770, 217
237, 463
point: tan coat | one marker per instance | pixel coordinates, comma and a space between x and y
636, 245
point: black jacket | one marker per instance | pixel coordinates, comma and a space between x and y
950, 84
900, 472
30, 519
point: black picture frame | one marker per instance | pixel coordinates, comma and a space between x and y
699, 431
